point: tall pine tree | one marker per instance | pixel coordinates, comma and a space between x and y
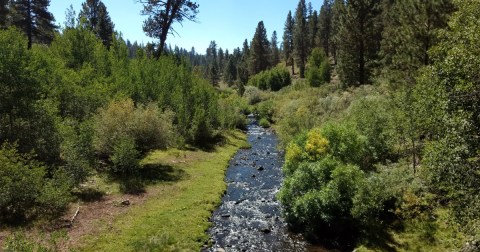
312, 31
300, 37
275, 52
411, 29
260, 50
325, 26
34, 19
288, 41
338, 11
359, 41
3, 13
213, 72
98, 20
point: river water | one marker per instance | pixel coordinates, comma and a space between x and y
249, 217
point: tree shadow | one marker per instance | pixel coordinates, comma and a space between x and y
210, 145
154, 173
88, 194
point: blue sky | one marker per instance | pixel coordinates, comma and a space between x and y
228, 22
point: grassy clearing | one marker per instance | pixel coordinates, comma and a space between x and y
176, 215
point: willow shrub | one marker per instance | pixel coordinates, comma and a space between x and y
146, 125
273, 79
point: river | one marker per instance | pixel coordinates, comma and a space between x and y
249, 217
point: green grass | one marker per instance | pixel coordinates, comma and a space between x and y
175, 218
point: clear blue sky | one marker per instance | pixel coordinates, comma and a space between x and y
228, 22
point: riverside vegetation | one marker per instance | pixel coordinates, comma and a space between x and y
380, 125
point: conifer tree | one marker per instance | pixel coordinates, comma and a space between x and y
325, 26
338, 11
3, 13
313, 30
34, 19
221, 59
300, 37
260, 50
411, 29
98, 20
213, 72
275, 53
359, 41
162, 14
288, 41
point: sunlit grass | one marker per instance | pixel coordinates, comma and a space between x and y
175, 218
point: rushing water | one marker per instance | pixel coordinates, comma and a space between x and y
249, 218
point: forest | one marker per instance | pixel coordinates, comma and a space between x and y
376, 104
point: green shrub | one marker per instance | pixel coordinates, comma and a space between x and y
76, 149
372, 117
125, 157
21, 180
264, 123
273, 79
252, 94
232, 110
319, 68
319, 196
25, 191
346, 144
265, 110
146, 125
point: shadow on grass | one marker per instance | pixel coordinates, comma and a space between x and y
88, 194
154, 173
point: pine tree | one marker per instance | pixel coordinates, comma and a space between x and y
288, 41
98, 20
325, 26
275, 53
221, 59
213, 72
162, 14
300, 37
230, 74
411, 29
338, 11
34, 19
3, 13
359, 41
313, 26
260, 50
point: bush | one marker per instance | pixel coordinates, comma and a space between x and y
346, 144
124, 157
25, 191
264, 123
146, 125
265, 110
319, 68
318, 196
273, 79
252, 94
232, 110
76, 149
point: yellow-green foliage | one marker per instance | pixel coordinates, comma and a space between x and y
316, 145
293, 154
